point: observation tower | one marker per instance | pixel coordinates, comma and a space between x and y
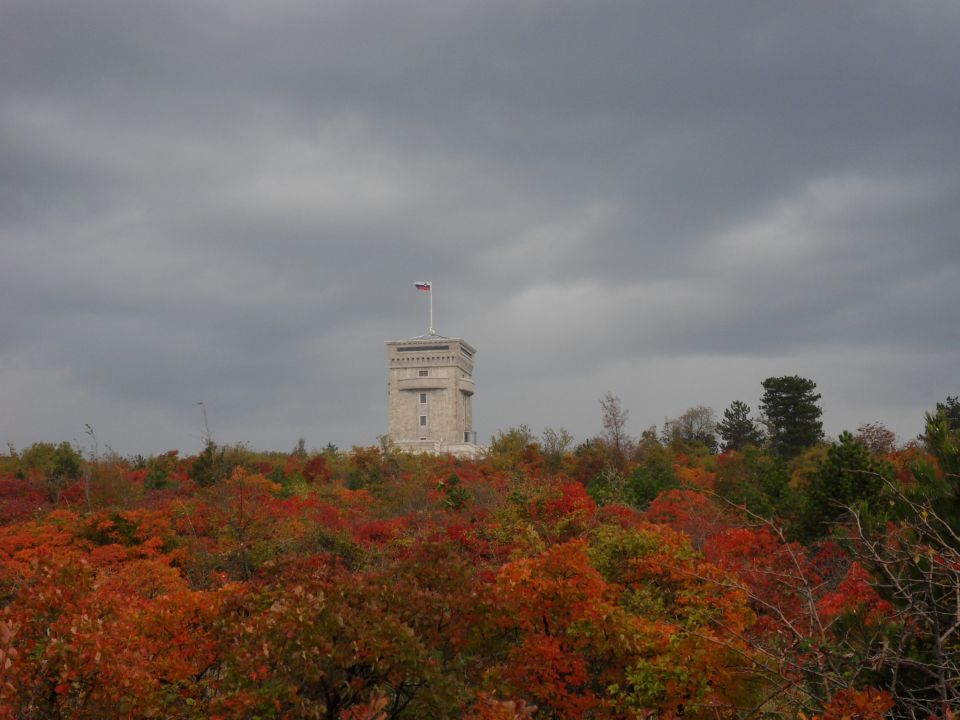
430, 389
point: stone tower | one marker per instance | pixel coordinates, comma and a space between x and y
431, 395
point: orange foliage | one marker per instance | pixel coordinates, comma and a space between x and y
695, 476
688, 511
568, 512
548, 598
487, 707
855, 594
20, 499
520, 599
866, 704
775, 574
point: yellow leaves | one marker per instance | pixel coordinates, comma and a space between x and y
256, 484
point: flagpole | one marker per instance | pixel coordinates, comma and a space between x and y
431, 307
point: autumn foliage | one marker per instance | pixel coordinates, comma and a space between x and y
370, 585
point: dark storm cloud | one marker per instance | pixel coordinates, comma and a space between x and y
229, 202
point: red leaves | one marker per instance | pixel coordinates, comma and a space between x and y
245, 598
19, 499
573, 500
316, 470
552, 600
865, 704
373, 710
488, 707
689, 512
100, 640
378, 532
855, 594
568, 512
553, 590
542, 668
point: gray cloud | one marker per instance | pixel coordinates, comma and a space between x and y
229, 202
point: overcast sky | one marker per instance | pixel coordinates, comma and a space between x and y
229, 202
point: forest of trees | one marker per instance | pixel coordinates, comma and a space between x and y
710, 568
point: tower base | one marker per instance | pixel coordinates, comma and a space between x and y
435, 447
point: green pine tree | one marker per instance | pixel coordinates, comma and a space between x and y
849, 477
736, 429
790, 411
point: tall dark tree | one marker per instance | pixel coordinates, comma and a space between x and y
943, 442
951, 409
736, 429
848, 476
941, 435
791, 414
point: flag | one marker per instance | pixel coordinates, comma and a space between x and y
425, 286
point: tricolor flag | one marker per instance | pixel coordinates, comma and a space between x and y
425, 286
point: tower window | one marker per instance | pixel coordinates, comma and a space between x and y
423, 421
422, 373
423, 398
